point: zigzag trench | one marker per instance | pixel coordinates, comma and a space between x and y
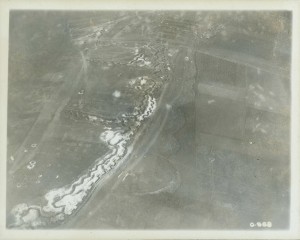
120, 135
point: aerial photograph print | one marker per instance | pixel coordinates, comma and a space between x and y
149, 120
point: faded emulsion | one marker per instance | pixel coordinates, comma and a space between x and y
149, 120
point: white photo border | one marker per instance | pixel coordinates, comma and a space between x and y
291, 5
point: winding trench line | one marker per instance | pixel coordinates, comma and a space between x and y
66, 201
